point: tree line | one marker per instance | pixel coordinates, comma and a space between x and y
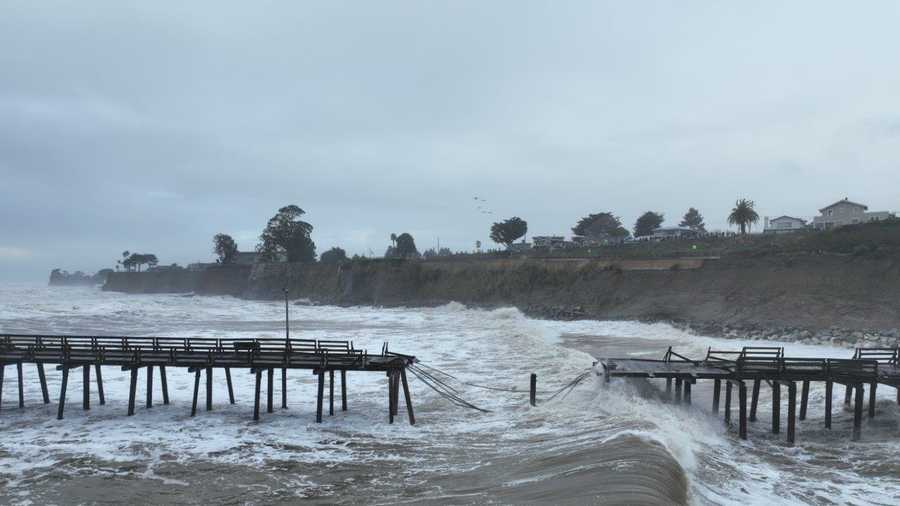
606, 226
287, 237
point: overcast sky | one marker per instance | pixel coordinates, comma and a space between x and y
154, 126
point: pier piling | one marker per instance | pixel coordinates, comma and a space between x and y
754, 401
132, 390
872, 389
829, 391
270, 390
283, 388
344, 389
164, 383
62, 393
228, 382
792, 412
149, 387
742, 410
197, 391
42, 377
331, 393
97, 373
209, 388
804, 399
86, 387
532, 394
728, 403
717, 391
776, 407
857, 412
21, 385
258, 374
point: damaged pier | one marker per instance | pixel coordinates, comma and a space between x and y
752, 366
203, 355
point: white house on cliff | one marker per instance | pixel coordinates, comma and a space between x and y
846, 212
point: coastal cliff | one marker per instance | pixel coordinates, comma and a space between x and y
809, 293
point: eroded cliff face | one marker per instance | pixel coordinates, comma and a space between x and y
811, 292
229, 280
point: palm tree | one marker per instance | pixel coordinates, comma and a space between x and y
743, 215
394, 240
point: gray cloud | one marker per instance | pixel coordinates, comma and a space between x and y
153, 127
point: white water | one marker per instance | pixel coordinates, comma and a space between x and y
451, 455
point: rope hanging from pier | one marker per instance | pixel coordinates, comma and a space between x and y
443, 390
432, 373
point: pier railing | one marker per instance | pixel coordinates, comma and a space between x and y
867, 367
198, 354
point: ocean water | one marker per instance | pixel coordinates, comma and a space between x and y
616, 443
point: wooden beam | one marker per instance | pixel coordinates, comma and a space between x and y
209, 376
396, 376
42, 377
668, 388
390, 397
21, 385
284, 388
792, 413
728, 403
829, 386
857, 412
687, 391
742, 401
132, 390
343, 390
804, 399
678, 383
754, 400
149, 386
270, 389
62, 393
196, 391
99, 376
717, 392
86, 387
408, 397
331, 392
164, 383
320, 394
848, 394
532, 390
872, 389
228, 381
256, 395
776, 407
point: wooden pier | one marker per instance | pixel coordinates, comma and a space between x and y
752, 366
203, 355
